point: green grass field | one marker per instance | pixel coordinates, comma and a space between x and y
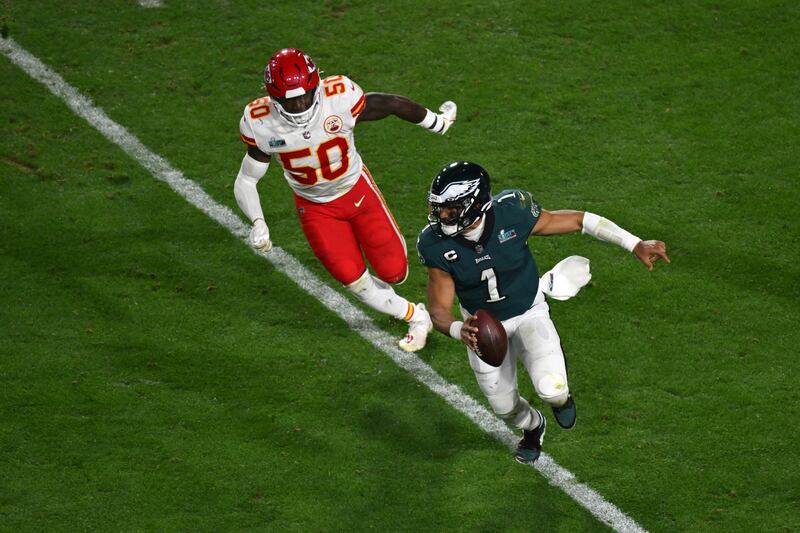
158, 375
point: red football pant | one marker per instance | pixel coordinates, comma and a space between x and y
360, 221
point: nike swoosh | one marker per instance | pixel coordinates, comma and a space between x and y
358, 203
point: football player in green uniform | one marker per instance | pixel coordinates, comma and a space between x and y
476, 246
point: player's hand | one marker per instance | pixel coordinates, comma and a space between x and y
447, 112
259, 236
649, 252
469, 333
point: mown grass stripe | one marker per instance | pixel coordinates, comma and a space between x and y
161, 169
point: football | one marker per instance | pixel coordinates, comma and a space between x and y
492, 339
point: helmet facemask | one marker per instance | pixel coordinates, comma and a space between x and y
301, 118
465, 212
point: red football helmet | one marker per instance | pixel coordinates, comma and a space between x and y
292, 79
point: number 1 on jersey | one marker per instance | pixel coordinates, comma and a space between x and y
490, 278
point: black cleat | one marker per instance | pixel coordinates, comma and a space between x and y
566, 414
530, 446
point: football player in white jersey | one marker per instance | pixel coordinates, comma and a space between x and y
307, 125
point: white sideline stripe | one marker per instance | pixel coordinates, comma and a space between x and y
150, 3
557, 476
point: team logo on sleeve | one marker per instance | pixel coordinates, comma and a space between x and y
333, 124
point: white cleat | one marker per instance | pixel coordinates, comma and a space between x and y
418, 328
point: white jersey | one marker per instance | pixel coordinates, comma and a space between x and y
319, 160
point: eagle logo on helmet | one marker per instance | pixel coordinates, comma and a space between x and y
455, 190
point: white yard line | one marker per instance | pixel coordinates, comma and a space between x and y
151, 3
160, 168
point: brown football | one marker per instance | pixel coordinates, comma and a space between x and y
492, 339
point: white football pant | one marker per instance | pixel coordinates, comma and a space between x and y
532, 339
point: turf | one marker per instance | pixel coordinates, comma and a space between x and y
158, 375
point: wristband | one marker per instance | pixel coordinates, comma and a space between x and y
605, 230
432, 121
429, 120
455, 329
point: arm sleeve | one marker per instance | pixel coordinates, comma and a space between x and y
605, 230
244, 189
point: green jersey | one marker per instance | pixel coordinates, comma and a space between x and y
497, 273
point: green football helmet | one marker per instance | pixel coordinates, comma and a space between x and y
459, 195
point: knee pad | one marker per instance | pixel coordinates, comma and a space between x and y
552, 388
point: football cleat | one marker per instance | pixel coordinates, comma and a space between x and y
566, 414
418, 328
530, 447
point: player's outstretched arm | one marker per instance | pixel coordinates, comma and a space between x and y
381, 105
566, 221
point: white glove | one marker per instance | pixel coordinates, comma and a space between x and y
565, 279
448, 112
259, 236
440, 123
